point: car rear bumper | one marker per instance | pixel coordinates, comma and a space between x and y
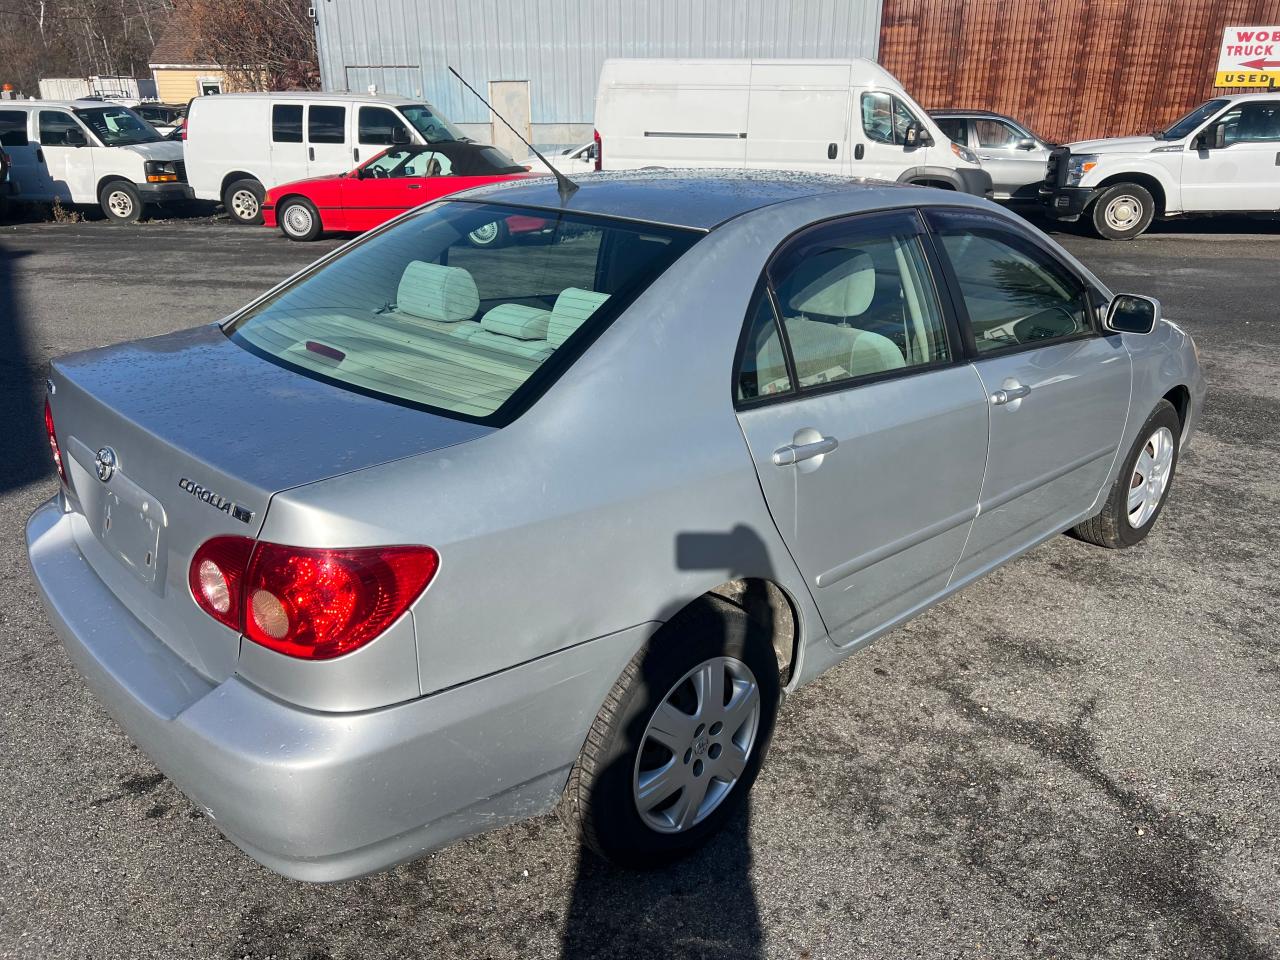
164, 192
324, 796
1066, 203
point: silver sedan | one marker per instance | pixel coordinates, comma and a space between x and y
431, 538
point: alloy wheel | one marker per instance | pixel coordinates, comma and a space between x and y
696, 745
298, 220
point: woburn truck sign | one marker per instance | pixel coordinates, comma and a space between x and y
1250, 57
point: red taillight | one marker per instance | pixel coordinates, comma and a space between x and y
595, 134
186, 127
53, 441
314, 604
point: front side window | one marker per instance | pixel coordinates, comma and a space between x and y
885, 118
857, 299
379, 125
433, 127
13, 128
326, 124
118, 126
419, 315
54, 125
1014, 292
1252, 122
996, 134
286, 123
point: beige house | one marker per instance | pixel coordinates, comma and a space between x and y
179, 70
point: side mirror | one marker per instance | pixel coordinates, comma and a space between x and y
399, 135
1214, 138
75, 137
912, 135
1026, 143
1131, 313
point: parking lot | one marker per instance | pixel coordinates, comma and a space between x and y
1076, 757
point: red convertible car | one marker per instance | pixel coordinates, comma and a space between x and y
394, 181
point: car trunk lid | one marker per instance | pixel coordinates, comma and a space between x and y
174, 440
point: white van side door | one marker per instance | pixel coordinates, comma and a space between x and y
64, 172
18, 143
288, 151
329, 148
798, 117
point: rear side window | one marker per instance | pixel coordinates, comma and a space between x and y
327, 124
1014, 292
956, 129
286, 123
439, 313
378, 126
54, 125
762, 371
13, 128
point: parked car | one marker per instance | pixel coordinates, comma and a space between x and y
1013, 155
240, 145
91, 153
165, 118
1219, 158
390, 183
840, 117
440, 534
572, 161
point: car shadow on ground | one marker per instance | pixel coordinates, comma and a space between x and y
24, 450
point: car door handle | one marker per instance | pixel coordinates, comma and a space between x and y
1010, 394
795, 452
311, 153
414, 186
39, 155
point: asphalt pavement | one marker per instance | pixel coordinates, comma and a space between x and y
1076, 757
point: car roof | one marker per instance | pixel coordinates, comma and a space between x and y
957, 112
699, 199
314, 95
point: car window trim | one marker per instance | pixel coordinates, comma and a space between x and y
950, 322
1091, 293
760, 292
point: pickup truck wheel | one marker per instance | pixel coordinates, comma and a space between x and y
679, 741
1136, 498
120, 202
299, 219
1123, 211
243, 201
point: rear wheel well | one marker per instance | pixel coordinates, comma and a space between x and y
1180, 397
1150, 183
769, 606
231, 178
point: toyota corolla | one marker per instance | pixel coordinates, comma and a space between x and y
433, 537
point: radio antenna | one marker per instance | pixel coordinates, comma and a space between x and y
566, 187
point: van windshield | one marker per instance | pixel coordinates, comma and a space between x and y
466, 309
433, 127
1187, 125
118, 126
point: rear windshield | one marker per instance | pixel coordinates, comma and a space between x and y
465, 309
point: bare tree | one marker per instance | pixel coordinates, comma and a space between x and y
260, 44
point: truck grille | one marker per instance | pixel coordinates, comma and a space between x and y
1055, 173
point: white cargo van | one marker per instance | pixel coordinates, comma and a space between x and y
89, 153
843, 117
240, 145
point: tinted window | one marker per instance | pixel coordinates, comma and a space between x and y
378, 125
1252, 123
762, 372
1014, 292
857, 299
885, 118
954, 128
54, 125
995, 134
286, 123
420, 314
327, 125
13, 128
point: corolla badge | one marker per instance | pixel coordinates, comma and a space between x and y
217, 501
104, 461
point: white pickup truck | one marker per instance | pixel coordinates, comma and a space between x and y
1222, 157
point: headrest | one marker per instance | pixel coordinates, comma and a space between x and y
517, 320
434, 292
837, 283
573, 306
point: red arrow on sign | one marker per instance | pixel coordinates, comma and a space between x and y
1260, 64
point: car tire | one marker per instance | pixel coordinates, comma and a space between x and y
707, 778
493, 234
120, 202
1123, 211
243, 201
1141, 488
299, 219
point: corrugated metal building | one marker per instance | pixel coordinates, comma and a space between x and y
556, 47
